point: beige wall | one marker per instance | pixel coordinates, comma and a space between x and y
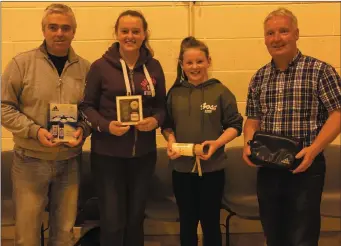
233, 32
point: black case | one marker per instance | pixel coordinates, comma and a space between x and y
274, 151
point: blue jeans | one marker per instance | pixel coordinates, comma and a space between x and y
33, 180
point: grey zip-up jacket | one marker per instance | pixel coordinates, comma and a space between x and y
200, 113
29, 83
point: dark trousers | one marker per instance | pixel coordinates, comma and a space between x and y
199, 198
122, 185
289, 205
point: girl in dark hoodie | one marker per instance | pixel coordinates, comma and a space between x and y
201, 111
123, 158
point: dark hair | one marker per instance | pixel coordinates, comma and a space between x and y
144, 23
188, 43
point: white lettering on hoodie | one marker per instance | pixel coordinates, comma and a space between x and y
208, 108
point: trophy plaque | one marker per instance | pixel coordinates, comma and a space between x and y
129, 109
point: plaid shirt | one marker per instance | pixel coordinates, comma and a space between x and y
294, 102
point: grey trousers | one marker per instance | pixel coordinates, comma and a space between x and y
32, 178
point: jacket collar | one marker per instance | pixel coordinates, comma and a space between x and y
72, 57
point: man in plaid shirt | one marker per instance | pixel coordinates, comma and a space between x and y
298, 96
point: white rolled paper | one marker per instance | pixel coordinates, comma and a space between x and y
185, 149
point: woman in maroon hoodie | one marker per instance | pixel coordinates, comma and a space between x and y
123, 157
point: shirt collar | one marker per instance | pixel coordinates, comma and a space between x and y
293, 61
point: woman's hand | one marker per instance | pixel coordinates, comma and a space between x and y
147, 124
116, 128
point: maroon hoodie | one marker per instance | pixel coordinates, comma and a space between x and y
104, 82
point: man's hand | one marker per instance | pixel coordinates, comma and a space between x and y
246, 154
147, 124
309, 155
78, 135
116, 128
46, 138
213, 146
172, 154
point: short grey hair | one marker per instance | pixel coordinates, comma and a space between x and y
282, 12
58, 8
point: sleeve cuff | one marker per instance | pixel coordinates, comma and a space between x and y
33, 131
103, 126
156, 117
86, 129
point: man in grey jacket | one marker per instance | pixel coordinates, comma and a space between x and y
43, 169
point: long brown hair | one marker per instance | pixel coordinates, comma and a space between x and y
138, 14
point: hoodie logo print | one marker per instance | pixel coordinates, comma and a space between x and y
146, 88
208, 109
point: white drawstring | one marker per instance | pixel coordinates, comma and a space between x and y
198, 165
125, 75
151, 85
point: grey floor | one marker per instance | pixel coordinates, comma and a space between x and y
243, 233
249, 239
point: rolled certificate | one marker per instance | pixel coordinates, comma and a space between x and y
189, 149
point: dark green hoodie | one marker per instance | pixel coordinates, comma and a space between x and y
200, 113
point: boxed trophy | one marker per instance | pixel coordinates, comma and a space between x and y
62, 121
129, 109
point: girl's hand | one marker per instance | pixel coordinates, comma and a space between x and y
213, 146
172, 154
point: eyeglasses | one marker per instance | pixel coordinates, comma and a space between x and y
55, 27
